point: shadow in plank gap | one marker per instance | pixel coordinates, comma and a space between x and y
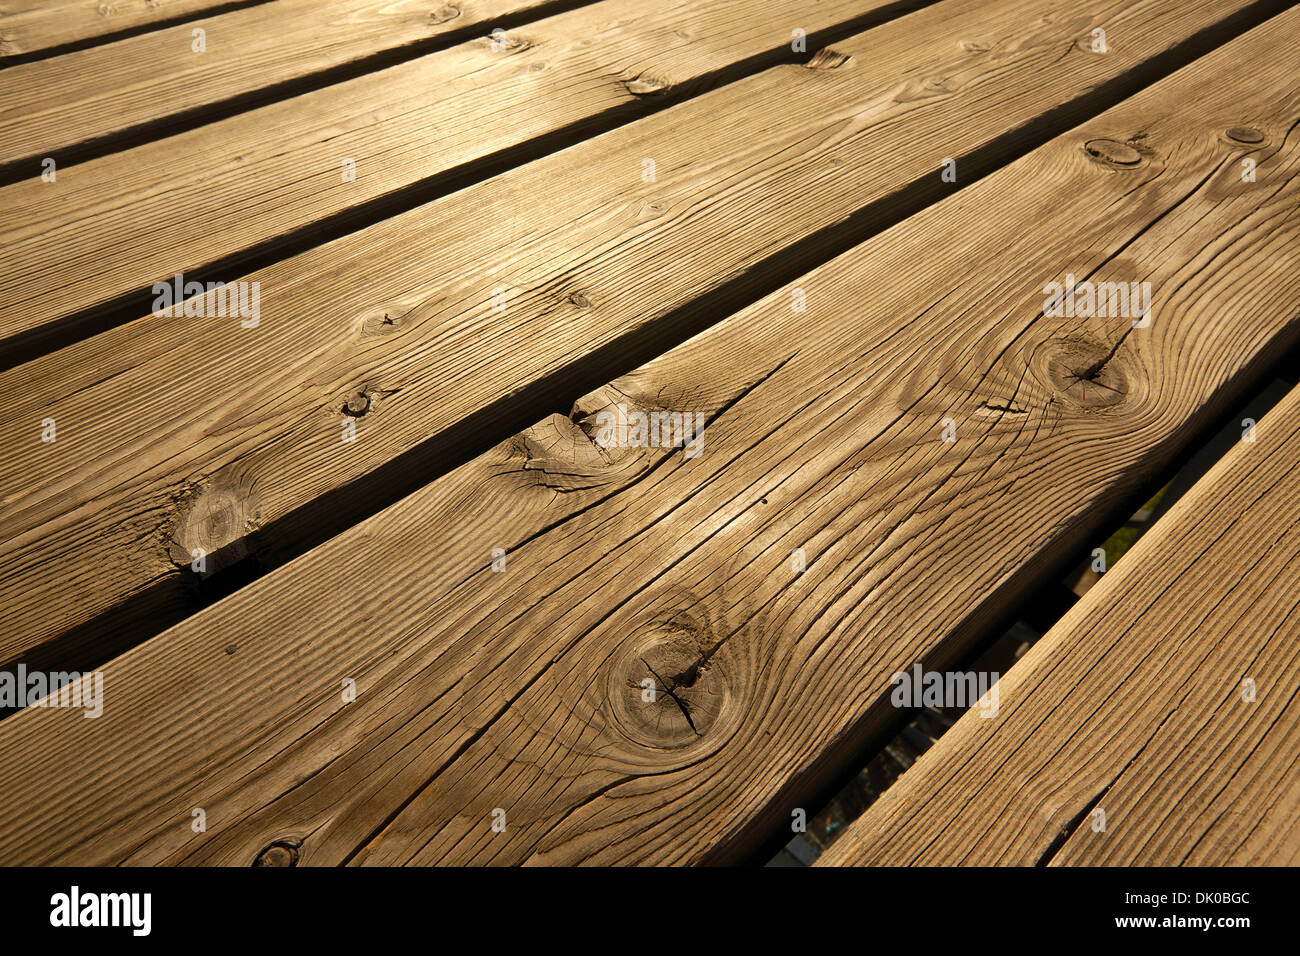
814, 833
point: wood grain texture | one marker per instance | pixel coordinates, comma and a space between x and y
49, 105
94, 234
480, 690
28, 26
230, 441
1135, 704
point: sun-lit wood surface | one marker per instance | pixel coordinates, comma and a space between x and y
365, 577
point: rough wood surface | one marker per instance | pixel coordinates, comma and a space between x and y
28, 26
94, 234
480, 690
1137, 704
187, 433
50, 105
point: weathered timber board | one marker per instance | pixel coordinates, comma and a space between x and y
480, 690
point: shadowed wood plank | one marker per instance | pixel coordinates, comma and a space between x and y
1137, 704
192, 436
49, 105
93, 235
28, 26
519, 689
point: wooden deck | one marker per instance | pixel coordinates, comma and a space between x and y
382, 569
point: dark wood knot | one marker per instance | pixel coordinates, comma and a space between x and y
357, 405
1113, 153
669, 685
279, 853
1085, 372
1246, 135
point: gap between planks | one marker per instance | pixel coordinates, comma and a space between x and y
481, 690
1158, 723
89, 102
37, 29
82, 253
249, 468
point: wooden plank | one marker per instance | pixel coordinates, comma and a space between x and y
93, 235
480, 690
152, 80
231, 441
1137, 704
29, 26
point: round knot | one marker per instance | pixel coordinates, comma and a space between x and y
444, 14
279, 853
357, 404
1086, 372
669, 685
1246, 135
1111, 152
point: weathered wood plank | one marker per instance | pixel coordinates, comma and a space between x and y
93, 235
49, 106
480, 690
1137, 704
181, 434
29, 26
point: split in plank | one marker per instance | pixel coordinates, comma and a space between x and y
520, 689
